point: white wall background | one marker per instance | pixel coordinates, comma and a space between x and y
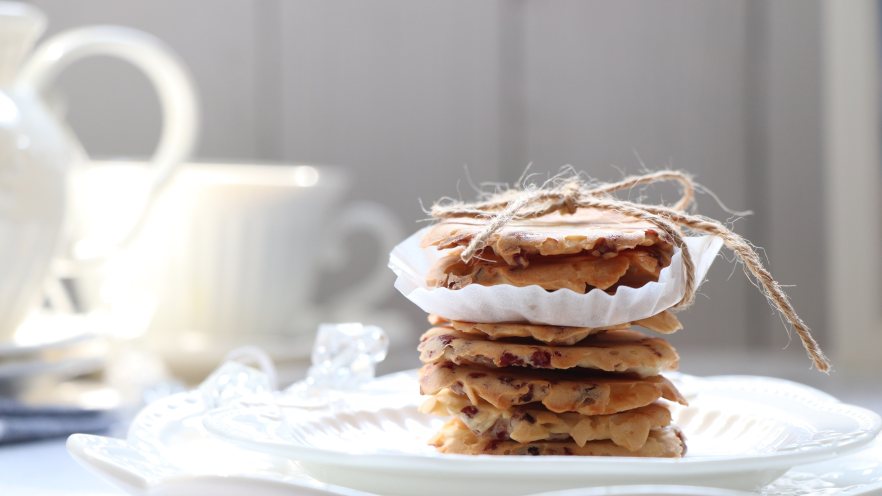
405, 93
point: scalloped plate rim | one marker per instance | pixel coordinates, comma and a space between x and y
558, 465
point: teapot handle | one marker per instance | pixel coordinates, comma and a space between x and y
165, 71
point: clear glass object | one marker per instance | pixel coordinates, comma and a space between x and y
234, 380
344, 358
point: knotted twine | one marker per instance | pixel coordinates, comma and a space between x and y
566, 195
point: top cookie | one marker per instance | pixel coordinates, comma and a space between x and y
588, 230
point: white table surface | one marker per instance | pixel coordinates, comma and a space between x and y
45, 469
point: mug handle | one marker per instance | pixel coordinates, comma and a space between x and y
165, 71
382, 224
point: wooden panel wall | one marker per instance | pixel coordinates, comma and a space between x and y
406, 93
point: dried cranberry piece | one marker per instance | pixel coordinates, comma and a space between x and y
540, 358
470, 411
500, 431
507, 359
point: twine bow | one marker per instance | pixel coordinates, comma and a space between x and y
571, 194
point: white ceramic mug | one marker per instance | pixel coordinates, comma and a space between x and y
233, 254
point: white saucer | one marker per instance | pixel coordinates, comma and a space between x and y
44, 331
169, 453
64, 368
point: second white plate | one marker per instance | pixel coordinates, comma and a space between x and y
742, 433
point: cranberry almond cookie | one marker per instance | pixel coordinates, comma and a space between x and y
524, 424
662, 323
588, 393
620, 350
456, 437
581, 251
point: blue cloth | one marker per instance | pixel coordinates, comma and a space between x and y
20, 422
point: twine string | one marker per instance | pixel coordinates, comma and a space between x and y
573, 193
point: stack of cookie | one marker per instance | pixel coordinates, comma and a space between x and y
529, 388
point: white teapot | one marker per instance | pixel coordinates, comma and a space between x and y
41, 225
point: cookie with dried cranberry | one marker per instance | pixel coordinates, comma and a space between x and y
573, 390
559, 335
580, 273
581, 251
663, 323
456, 437
621, 350
587, 231
526, 424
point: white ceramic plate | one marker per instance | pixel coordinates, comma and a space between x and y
168, 453
647, 490
139, 473
743, 432
858, 474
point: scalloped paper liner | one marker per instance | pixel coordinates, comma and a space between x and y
505, 303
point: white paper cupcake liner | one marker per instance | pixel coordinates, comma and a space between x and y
505, 303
